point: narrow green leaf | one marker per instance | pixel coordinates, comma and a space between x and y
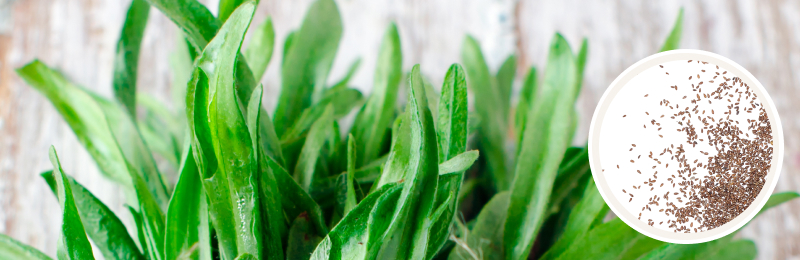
82, 114
304, 172
526, 97
182, 234
611, 240
308, 62
274, 228
233, 187
414, 160
674, 38
350, 201
348, 240
259, 49
736, 250
377, 115
287, 45
152, 218
152, 125
568, 176
433, 99
351, 71
777, 199
302, 239
13, 249
485, 241
458, 163
580, 61
490, 108
127, 59
73, 243
137, 220
544, 142
580, 220
100, 223
505, 81
452, 138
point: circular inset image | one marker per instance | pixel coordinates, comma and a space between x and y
685, 146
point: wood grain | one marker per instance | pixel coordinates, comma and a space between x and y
78, 37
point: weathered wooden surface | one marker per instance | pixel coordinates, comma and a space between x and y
79, 36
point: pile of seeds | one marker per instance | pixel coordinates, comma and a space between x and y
705, 194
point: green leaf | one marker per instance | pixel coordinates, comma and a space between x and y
569, 173
226, 8
73, 243
302, 239
490, 108
137, 220
414, 160
233, 187
347, 76
305, 170
82, 114
259, 49
736, 250
505, 81
459, 163
127, 59
376, 117
777, 199
526, 97
544, 142
307, 62
611, 240
100, 223
350, 200
183, 226
674, 38
152, 218
583, 54
485, 241
13, 249
581, 218
452, 138
156, 119
349, 239
294, 199
274, 228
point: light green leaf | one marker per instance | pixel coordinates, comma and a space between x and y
73, 243
307, 62
543, 144
347, 76
183, 226
226, 8
127, 57
13, 249
526, 97
100, 223
490, 108
777, 199
611, 240
505, 81
458, 163
580, 61
376, 117
259, 49
573, 168
485, 241
674, 38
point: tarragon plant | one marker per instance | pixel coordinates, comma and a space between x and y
398, 184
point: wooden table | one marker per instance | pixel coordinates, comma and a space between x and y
79, 37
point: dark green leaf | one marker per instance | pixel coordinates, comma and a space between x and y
183, 216
490, 108
305, 171
294, 199
543, 144
99, 222
137, 220
302, 239
73, 243
13, 249
127, 58
350, 200
226, 8
259, 49
571, 170
377, 115
307, 62
580, 220
674, 38
485, 241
